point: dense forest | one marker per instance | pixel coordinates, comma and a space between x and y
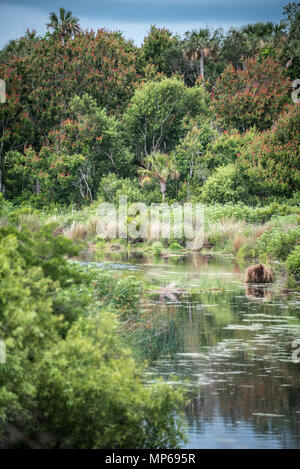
212, 117
84, 106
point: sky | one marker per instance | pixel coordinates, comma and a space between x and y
134, 17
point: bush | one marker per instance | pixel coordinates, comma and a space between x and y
89, 388
277, 243
112, 187
120, 295
175, 246
225, 148
293, 265
224, 185
70, 381
271, 159
156, 248
240, 211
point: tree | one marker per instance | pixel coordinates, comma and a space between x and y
290, 51
15, 126
102, 65
98, 137
159, 168
259, 35
64, 26
271, 159
19, 47
162, 49
253, 96
154, 118
196, 46
189, 154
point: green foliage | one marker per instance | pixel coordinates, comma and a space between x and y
53, 175
120, 295
111, 188
248, 250
278, 243
70, 380
154, 118
290, 49
42, 249
26, 326
189, 153
225, 148
241, 211
216, 239
106, 405
271, 160
161, 49
293, 264
225, 185
159, 168
156, 248
175, 246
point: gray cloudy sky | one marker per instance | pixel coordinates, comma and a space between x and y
134, 17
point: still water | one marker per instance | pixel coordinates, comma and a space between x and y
230, 344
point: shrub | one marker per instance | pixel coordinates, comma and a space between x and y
240, 211
126, 297
224, 185
70, 381
89, 388
271, 159
224, 149
175, 246
111, 187
277, 243
293, 265
156, 248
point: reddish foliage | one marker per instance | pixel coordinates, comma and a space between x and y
252, 96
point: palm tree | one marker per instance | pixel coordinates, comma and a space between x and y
159, 167
65, 25
197, 45
259, 35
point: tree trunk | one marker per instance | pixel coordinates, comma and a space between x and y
163, 188
2, 185
202, 65
37, 187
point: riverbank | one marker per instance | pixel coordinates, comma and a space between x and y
267, 234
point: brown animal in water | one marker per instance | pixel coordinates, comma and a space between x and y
259, 273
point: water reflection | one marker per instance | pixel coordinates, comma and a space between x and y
233, 343
236, 352
254, 291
